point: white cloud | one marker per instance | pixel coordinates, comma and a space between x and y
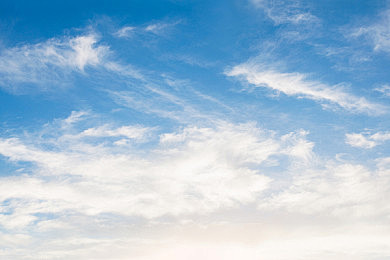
160, 27
297, 84
359, 140
85, 51
125, 31
131, 132
155, 27
346, 246
197, 170
385, 90
51, 61
384, 164
285, 11
381, 136
169, 101
196, 192
378, 34
343, 191
126, 71
366, 140
74, 117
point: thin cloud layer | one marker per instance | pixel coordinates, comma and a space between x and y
377, 34
125, 31
297, 85
339, 190
157, 28
285, 11
49, 62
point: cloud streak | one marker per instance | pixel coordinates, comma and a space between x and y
157, 28
297, 85
125, 31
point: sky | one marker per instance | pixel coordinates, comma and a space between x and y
183, 129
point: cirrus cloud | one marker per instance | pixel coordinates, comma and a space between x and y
297, 85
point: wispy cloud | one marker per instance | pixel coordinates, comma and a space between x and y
171, 98
160, 27
285, 11
52, 64
367, 140
125, 31
51, 61
192, 60
74, 117
157, 28
378, 33
385, 90
297, 85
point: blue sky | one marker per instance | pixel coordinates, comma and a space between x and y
252, 129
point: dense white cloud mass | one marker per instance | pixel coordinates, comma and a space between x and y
86, 182
297, 84
196, 170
